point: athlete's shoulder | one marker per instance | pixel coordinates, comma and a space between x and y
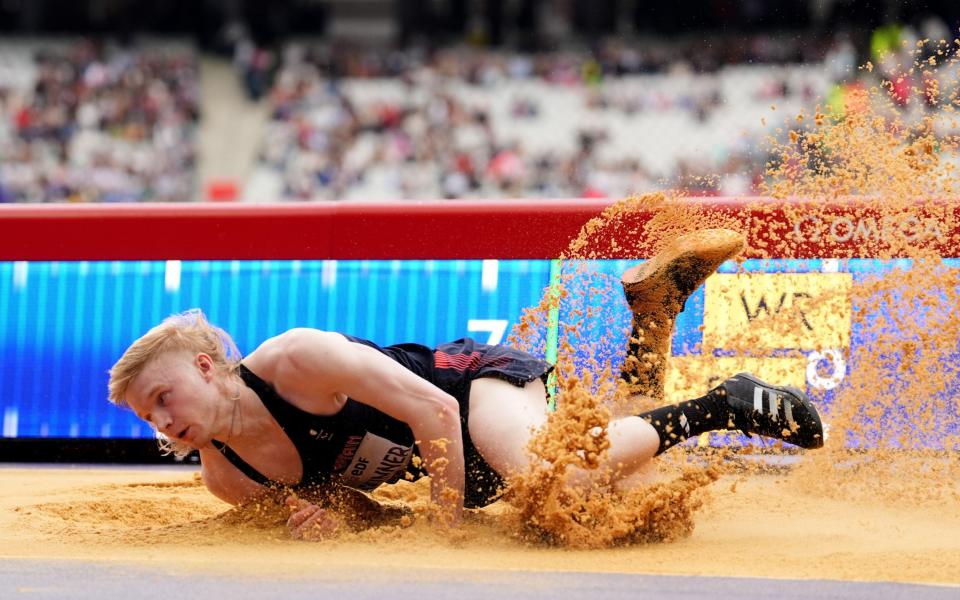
295, 339
290, 346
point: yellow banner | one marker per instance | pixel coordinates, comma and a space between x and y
764, 311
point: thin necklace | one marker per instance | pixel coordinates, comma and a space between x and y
233, 417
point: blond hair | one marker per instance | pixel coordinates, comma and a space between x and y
189, 330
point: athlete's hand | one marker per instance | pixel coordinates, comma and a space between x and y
309, 522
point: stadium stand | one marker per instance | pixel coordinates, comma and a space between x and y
96, 122
332, 120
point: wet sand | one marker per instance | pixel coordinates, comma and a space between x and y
752, 525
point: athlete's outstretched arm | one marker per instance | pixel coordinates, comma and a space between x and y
314, 514
320, 363
225, 481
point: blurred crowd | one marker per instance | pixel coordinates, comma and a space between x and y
96, 122
443, 136
101, 123
442, 130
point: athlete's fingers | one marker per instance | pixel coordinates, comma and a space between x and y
299, 517
319, 526
306, 529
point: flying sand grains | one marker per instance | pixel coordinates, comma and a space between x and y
883, 176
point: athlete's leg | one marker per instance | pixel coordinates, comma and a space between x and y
503, 418
741, 402
656, 291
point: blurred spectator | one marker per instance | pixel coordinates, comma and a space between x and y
352, 123
101, 124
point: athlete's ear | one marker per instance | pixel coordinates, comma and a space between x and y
205, 364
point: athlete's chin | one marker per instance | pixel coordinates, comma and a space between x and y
196, 438
200, 442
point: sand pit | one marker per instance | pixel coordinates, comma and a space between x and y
752, 525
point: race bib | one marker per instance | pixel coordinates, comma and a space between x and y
376, 460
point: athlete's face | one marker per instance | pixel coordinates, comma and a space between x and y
177, 393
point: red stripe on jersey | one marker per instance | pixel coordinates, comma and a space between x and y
464, 362
457, 362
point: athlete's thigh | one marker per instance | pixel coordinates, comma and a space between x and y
502, 419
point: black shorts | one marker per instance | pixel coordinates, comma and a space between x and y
455, 366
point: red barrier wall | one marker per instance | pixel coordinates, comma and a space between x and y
437, 229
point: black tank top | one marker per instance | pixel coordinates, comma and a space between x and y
359, 446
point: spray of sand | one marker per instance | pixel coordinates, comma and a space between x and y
881, 177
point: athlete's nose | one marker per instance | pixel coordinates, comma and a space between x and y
163, 422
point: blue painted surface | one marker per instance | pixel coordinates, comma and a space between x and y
63, 324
